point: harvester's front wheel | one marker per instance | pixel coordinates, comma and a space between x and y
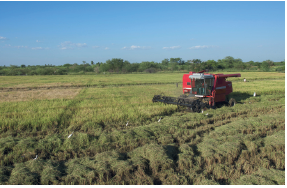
199, 106
232, 102
196, 106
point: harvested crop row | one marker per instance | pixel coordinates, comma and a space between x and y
184, 165
178, 129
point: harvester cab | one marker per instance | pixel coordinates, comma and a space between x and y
201, 90
200, 84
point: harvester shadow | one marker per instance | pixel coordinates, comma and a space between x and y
239, 96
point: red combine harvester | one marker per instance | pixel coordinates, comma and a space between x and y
204, 90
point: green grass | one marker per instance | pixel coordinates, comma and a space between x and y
244, 144
84, 80
116, 79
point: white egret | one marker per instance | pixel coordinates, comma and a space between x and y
36, 157
70, 134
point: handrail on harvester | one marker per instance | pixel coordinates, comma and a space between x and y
227, 75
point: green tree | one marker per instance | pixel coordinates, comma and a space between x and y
165, 62
270, 63
145, 65
265, 66
228, 62
196, 61
238, 64
126, 67
257, 64
115, 64
251, 63
210, 65
67, 65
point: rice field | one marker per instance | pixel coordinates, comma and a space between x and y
244, 144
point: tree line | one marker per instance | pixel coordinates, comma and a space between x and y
117, 65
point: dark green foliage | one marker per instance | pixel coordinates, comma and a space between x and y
117, 65
266, 66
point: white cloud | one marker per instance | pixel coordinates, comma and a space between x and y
201, 47
38, 41
107, 48
40, 48
37, 48
3, 38
171, 48
134, 47
69, 45
21, 46
10, 46
95, 46
80, 45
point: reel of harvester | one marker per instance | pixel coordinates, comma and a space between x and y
193, 104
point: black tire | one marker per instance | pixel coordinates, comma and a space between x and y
204, 105
198, 106
194, 105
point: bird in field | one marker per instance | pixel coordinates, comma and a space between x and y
159, 119
70, 134
202, 111
127, 123
35, 157
206, 114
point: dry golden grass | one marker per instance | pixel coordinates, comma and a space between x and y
40, 94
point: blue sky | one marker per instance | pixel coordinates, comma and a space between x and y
38, 33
